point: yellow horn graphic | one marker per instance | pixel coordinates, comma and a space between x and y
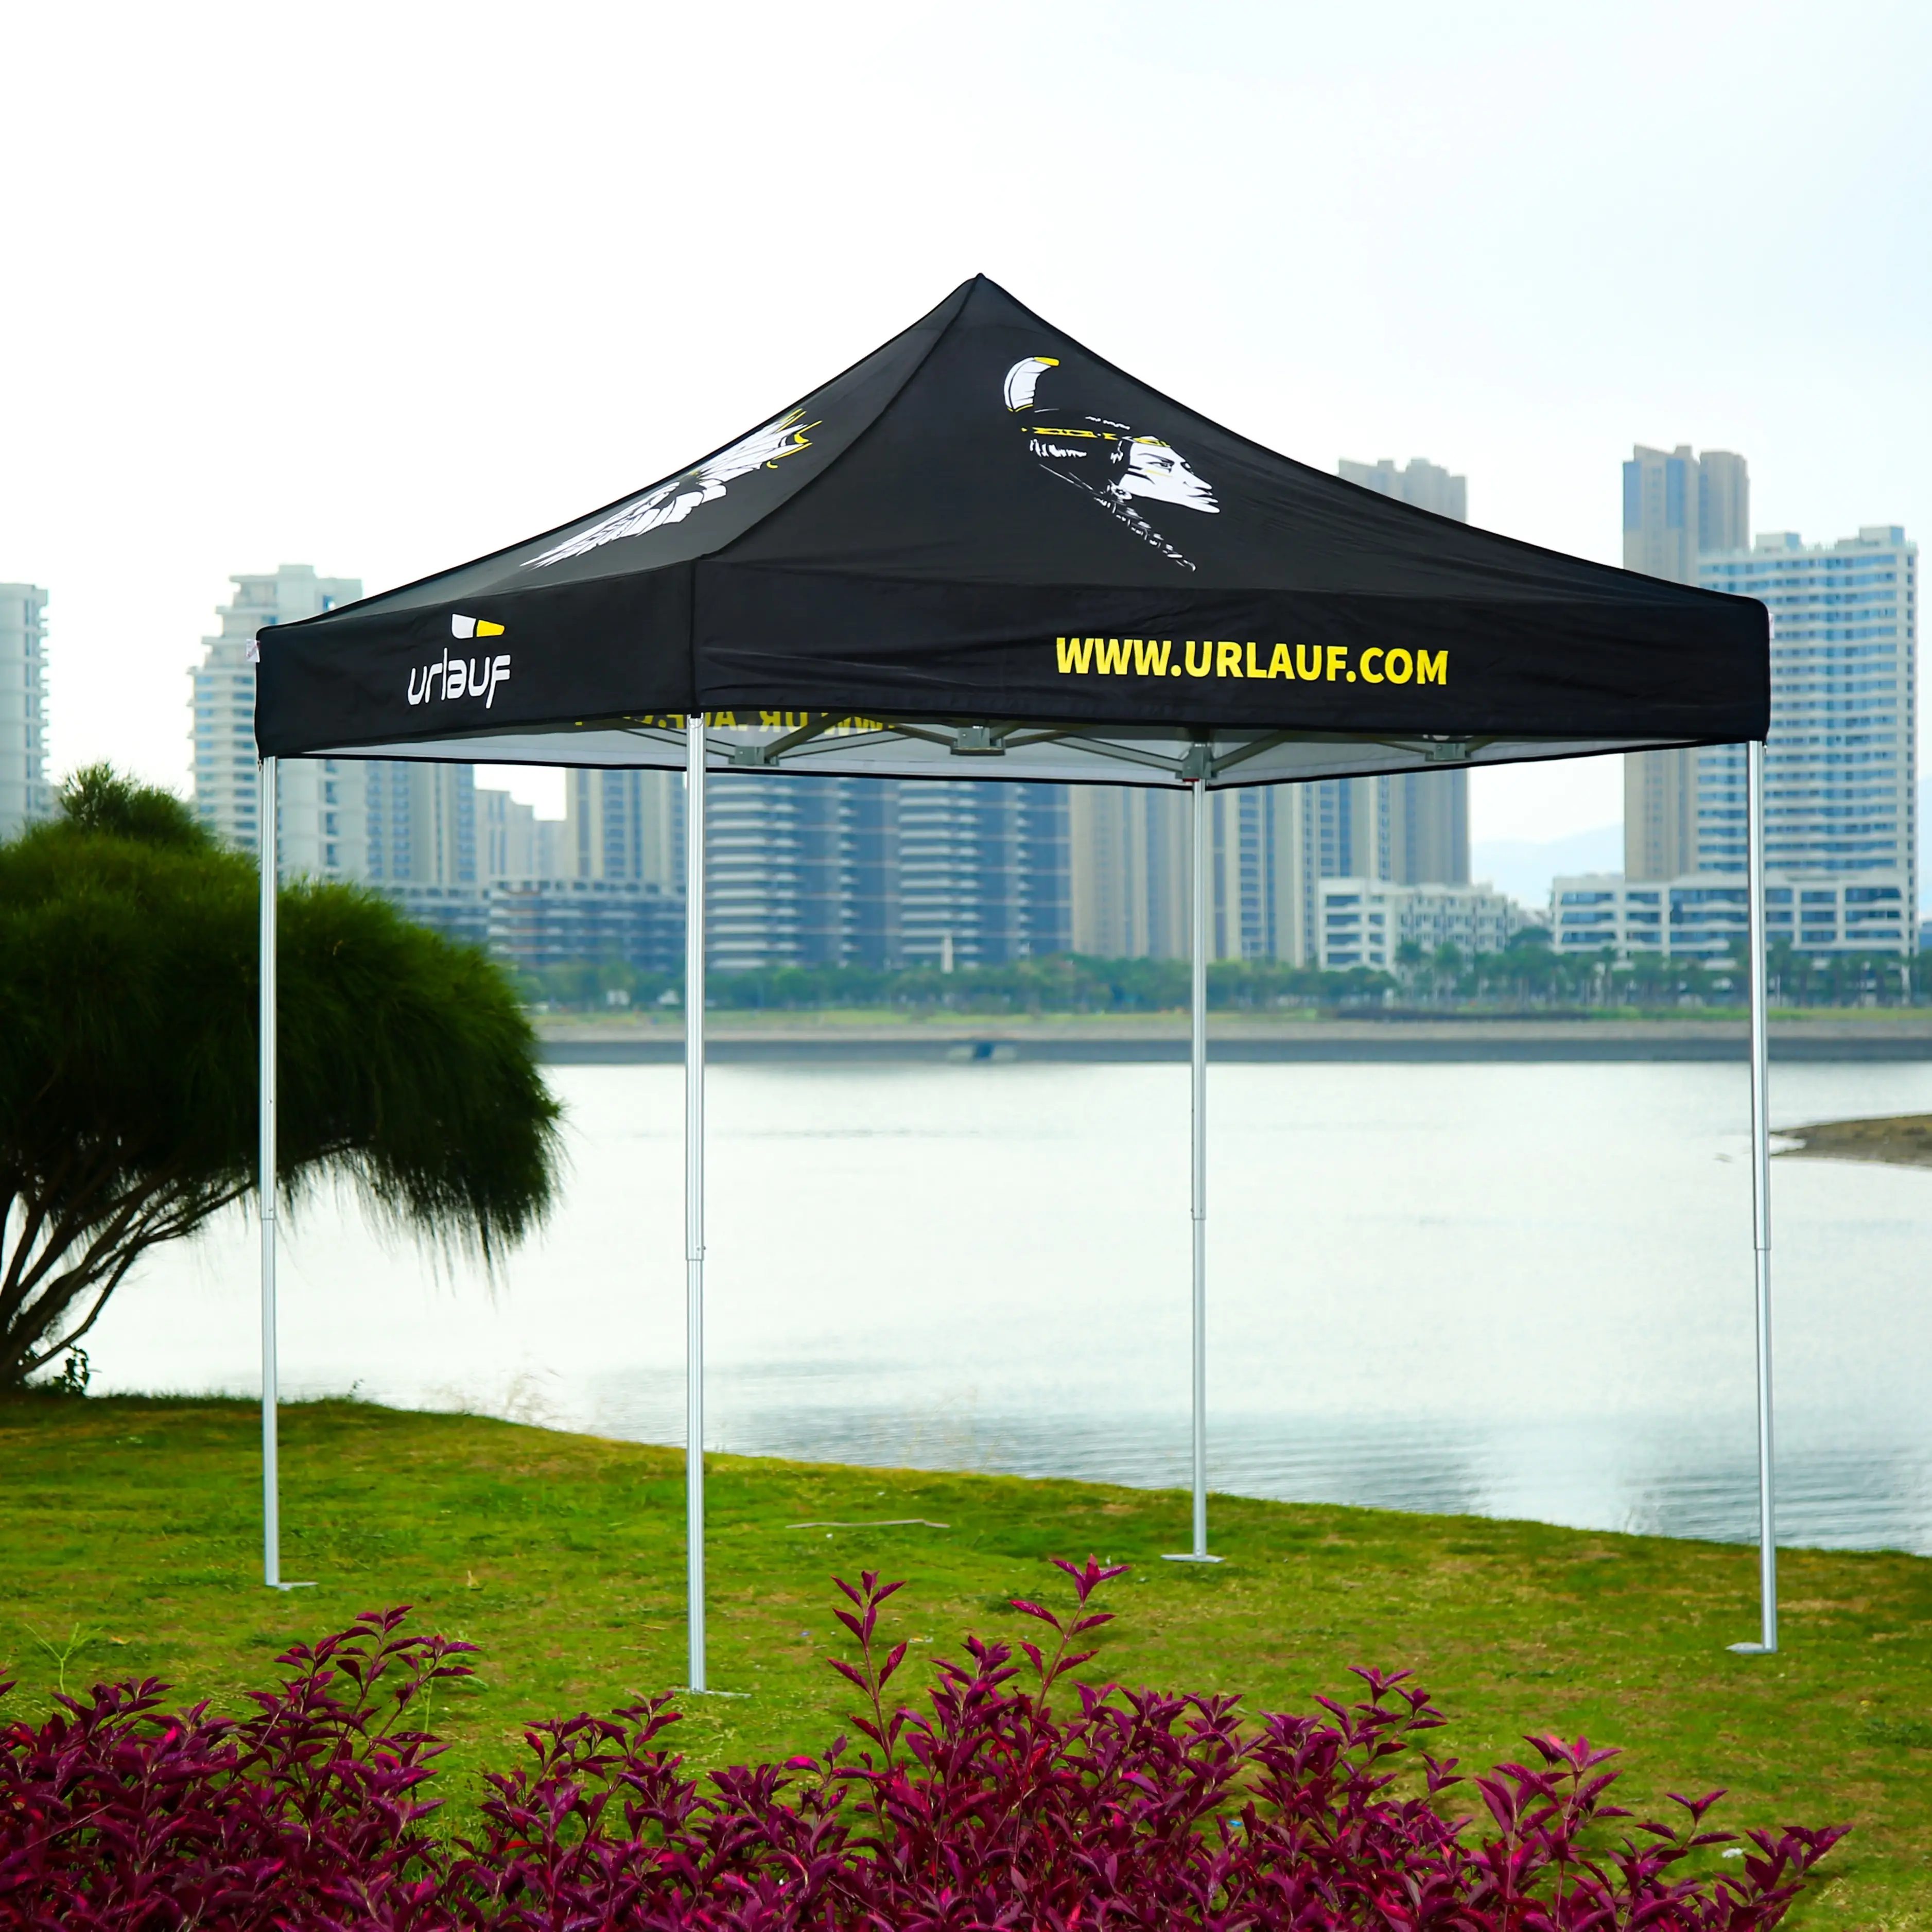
484, 629
1022, 377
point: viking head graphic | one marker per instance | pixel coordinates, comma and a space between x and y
1100, 455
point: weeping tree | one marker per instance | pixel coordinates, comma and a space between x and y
128, 1031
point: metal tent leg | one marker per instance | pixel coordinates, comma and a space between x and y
694, 1194
1198, 1554
1767, 1532
268, 801
272, 1508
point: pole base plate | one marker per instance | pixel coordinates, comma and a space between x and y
1194, 1557
1752, 1649
290, 1586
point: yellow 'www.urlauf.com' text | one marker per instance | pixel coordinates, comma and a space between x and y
1324, 663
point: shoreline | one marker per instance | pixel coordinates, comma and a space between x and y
1162, 1039
1896, 1140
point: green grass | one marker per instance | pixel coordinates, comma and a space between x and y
131, 1547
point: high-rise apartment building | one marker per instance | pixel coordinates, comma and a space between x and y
225, 794
421, 821
623, 825
1258, 860
408, 829
884, 872
25, 796
1840, 831
385, 823
325, 817
1411, 829
1678, 507
1426, 484
1841, 762
774, 874
512, 842
982, 871
1128, 848
1422, 828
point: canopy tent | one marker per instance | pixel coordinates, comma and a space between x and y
983, 551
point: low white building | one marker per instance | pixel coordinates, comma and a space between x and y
1364, 921
1704, 916
1590, 911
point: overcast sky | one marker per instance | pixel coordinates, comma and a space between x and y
379, 288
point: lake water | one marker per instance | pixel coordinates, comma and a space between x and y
1515, 1290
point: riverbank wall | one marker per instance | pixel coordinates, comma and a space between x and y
1161, 1038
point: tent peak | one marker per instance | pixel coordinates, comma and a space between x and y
984, 520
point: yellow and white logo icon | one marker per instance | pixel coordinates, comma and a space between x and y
473, 627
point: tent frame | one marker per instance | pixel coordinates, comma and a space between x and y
1766, 1645
694, 1202
269, 805
1198, 1166
1195, 771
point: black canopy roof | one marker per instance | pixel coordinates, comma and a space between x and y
984, 541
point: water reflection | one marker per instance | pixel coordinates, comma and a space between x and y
1519, 1291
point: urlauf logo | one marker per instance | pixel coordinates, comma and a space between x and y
463, 677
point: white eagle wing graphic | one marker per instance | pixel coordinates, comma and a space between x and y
671, 502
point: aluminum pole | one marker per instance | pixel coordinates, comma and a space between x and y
267, 801
694, 1194
1198, 1554
1760, 1068
268, 809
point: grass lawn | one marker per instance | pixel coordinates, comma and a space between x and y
131, 1547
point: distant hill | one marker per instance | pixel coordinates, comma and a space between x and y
1523, 867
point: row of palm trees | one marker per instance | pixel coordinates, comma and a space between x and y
1530, 975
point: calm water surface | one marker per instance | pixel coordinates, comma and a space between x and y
1519, 1291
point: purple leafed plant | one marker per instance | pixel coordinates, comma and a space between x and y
115, 1814
985, 1808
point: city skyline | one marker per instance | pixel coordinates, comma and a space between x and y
541, 788
1676, 503
296, 591
304, 592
